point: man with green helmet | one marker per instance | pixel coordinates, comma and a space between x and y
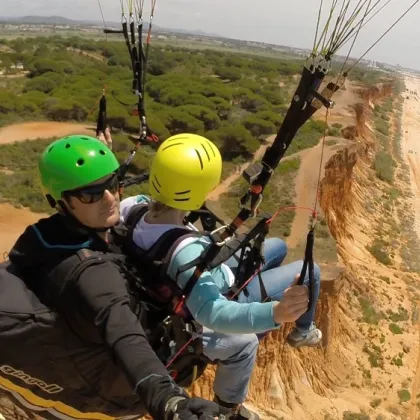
105, 363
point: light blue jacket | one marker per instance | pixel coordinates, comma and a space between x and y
206, 303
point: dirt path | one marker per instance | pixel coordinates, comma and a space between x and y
306, 184
307, 178
14, 76
23, 217
306, 181
342, 112
225, 185
11, 230
42, 129
411, 154
87, 54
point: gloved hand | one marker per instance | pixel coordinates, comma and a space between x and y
165, 400
181, 408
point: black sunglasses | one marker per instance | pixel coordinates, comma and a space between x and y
94, 193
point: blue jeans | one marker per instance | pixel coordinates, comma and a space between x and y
236, 353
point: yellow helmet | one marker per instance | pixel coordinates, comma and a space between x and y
185, 169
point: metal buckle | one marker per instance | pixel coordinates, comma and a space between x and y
224, 242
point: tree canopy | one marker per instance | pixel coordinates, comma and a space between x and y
234, 99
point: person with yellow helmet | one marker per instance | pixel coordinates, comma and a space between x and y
185, 169
100, 365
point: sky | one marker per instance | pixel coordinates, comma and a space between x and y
284, 22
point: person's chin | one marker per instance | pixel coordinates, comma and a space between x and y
112, 218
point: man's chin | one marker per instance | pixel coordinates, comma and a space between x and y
110, 219
113, 219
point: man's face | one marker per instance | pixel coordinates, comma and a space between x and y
96, 205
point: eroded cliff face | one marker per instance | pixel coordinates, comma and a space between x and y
301, 384
285, 380
339, 192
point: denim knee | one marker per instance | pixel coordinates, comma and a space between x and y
246, 347
234, 371
252, 343
275, 251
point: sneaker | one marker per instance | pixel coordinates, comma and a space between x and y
299, 339
237, 412
242, 413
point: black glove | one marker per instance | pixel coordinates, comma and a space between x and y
156, 391
165, 400
180, 408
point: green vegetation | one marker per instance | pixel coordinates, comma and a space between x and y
395, 329
308, 136
278, 194
393, 229
397, 361
404, 395
349, 415
234, 99
375, 355
401, 315
369, 314
206, 92
384, 163
384, 166
378, 250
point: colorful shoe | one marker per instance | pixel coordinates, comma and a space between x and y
242, 413
238, 411
299, 339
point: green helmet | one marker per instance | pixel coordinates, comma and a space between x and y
74, 161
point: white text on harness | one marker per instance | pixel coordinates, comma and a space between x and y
51, 389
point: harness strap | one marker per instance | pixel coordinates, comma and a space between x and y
309, 263
70, 268
216, 254
160, 254
134, 216
207, 218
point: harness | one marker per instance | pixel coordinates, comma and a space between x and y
168, 331
174, 334
176, 338
155, 262
225, 243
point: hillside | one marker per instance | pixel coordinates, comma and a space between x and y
366, 243
368, 311
60, 20
51, 20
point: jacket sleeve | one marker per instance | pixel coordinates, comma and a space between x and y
211, 309
104, 298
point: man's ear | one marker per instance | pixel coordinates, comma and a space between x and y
67, 203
